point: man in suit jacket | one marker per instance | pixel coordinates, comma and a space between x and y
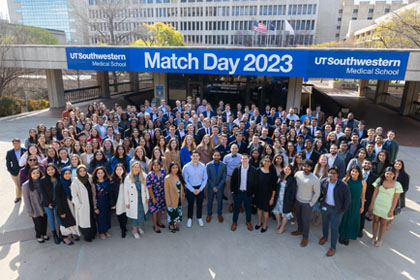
319, 115
12, 162
239, 142
208, 113
333, 205
206, 129
335, 160
216, 172
101, 126
370, 177
243, 186
310, 153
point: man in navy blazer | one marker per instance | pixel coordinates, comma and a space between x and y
12, 163
216, 172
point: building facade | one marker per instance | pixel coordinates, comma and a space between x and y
57, 14
219, 22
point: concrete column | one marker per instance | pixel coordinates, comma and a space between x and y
55, 88
134, 80
410, 94
381, 88
160, 82
102, 78
363, 88
294, 94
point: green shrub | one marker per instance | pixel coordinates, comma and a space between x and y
10, 106
39, 104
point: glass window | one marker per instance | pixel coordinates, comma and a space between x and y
355, 11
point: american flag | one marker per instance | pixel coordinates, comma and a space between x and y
259, 27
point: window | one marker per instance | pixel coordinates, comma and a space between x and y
338, 27
386, 10
370, 11
340, 11
369, 18
354, 18
339, 19
355, 11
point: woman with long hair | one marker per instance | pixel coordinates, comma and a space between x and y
161, 144
321, 167
99, 159
32, 139
140, 156
174, 185
350, 223
154, 183
358, 159
255, 158
51, 157
32, 150
157, 155
278, 163
116, 196
289, 153
384, 200
187, 147
83, 194
108, 148
136, 198
31, 162
205, 149
381, 162
100, 179
32, 199
297, 162
172, 153
87, 156
120, 157
285, 198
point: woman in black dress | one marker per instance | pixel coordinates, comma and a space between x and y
265, 192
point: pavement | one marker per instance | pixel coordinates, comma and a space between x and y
211, 252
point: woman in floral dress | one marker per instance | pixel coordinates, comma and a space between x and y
155, 185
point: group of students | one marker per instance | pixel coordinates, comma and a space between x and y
145, 160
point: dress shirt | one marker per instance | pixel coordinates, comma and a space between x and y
330, 193
231, 162
365, 175
308, 155
378, 149
244, 178
331, 160
195, 175
18, 154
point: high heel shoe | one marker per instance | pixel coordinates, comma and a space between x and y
264, 229
157, 231
258, 226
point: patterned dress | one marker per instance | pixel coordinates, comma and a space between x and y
278, 209
175, 214
156, 183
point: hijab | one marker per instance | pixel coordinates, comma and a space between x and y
66, 183
84, 179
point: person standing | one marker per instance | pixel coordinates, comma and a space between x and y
231, 160
100, 179
195, 176
116, 196
136, 198
391, 145
174, 195
12, 163
307, 195
334, 200
84, 199
335, 160
243, 185
154, 183
216, 172
350, 223
32, 200
369, 177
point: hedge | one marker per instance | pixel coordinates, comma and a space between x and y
14, 105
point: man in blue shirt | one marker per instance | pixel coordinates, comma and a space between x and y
216, 171
12, 162
232, 160
195, 176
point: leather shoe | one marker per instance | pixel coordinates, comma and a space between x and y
296, 233
208, 219
17, 200
360, 235
322, 240
331, 252
233, 227
258, 226
231, 208
220, 219
249, 226
304, 242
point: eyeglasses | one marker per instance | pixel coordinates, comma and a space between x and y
32, 159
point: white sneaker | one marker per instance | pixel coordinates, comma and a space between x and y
200, 222
189, 223
141, 231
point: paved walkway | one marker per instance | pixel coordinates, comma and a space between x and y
212, 252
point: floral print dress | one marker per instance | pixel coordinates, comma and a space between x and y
156, 183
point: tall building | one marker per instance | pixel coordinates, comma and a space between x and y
56, 14
220, 22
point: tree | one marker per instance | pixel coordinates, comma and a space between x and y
159, 34
11, 34
401, 31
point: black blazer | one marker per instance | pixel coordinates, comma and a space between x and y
201, 132
404, 180
342, 197
314, 156
113, 191
63, 207
235, 182
12, 162
242, 148
289, 194
47, 192
369, 187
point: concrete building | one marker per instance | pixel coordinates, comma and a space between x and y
353, 16
57, 14
221, 22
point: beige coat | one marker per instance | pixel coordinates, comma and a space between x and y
130, 197
171, 191
80, 199
171, 156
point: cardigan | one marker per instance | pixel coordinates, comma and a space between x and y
32, 200
171, 191
171, 156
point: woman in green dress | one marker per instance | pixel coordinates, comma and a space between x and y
174, 195
350, 223
384, 200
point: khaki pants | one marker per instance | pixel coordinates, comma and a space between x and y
227, 191
17, 185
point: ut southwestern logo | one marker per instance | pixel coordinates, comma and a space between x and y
102, 60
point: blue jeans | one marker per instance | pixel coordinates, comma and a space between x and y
237, 203
52, 216
219, 199
330, 216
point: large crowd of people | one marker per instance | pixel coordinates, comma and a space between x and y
142, 161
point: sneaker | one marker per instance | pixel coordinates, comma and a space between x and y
141, 231
189, 223
200, 222
136, 235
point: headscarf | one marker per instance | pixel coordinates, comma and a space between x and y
66, 183
85, 178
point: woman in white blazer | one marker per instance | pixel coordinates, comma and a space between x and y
136, 198
84, 199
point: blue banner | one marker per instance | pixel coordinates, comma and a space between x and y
255, 62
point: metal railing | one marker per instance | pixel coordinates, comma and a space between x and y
82, 94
